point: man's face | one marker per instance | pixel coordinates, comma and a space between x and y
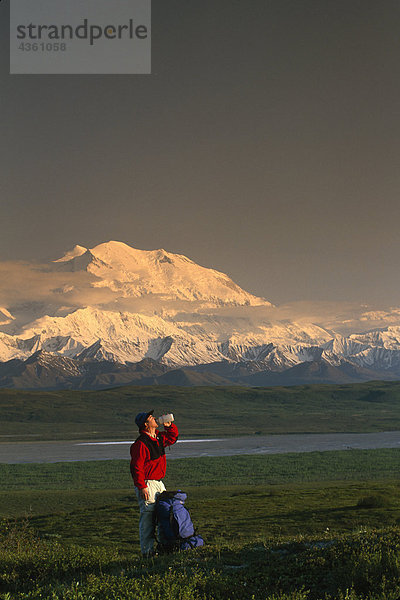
151, 423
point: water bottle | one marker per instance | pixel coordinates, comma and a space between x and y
168, 418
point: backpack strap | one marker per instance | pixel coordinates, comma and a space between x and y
173, 522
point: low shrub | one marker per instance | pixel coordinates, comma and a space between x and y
359, 566
377, 501
26, 559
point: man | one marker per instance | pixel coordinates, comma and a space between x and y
148, 466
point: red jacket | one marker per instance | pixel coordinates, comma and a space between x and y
148, 455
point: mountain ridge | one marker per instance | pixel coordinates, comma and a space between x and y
163, 307
46, 371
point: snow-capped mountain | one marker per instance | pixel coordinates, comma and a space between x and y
123, 337
113, 304
135, 273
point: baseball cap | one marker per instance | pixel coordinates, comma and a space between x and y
141, 418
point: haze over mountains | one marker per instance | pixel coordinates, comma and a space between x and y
116, 315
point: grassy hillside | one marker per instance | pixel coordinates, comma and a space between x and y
201, 411
94, 502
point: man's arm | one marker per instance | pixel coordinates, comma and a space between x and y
169, 435
139, 454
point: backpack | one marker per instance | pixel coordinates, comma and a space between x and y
175, 527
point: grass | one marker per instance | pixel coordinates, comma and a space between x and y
202, 411
274, 469
312, 526
357, 566
94, 502
276, 528
231, 513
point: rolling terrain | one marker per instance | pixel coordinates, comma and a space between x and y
201, 411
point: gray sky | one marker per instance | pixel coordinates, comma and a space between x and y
265, 144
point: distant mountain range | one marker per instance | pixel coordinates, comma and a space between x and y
114, 315
48, 371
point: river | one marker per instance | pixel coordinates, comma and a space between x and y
71, 451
